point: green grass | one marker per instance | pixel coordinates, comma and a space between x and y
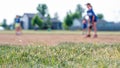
59, 32
64, 55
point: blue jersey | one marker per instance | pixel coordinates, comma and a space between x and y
91, 13
17, 20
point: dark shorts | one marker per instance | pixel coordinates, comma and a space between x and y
93, 21
84, 26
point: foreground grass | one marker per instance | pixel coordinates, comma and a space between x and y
65, 55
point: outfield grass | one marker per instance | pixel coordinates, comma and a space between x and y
65, 55
59, 32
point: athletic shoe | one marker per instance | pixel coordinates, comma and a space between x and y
88, 35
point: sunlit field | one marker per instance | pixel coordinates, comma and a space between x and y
65, 55
59, 49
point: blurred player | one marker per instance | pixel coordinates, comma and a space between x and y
84, 22
17, 26
92, 20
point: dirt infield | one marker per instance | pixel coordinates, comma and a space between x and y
54, 39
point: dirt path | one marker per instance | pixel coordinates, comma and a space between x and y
54, 39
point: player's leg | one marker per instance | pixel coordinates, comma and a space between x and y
16, 28
84, 27
83, 32
89, 30
86, 30
95, 29
20, 29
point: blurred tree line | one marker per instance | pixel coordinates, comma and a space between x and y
68, 20
5, 25
43, 11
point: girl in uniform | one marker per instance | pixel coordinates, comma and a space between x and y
92, 20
